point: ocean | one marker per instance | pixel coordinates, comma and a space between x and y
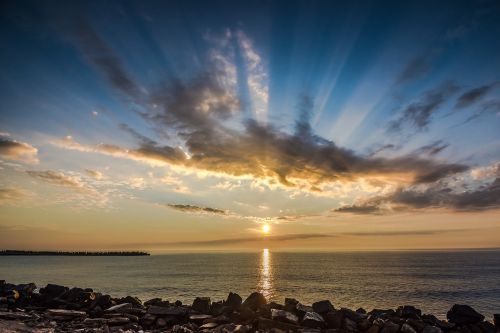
432, 281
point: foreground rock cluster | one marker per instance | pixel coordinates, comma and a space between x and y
54, 308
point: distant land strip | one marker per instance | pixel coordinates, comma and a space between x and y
75, 253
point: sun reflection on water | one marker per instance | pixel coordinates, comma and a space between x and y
266, 275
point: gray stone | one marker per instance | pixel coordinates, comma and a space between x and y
118, 308
208, 326
407, 328
66, 313
313, 320
284, 316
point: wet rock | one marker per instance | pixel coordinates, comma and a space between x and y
255, 301
178, 303
274, 305
201, 304
313, 320
463, 315
381, 313
302, 309
323, 306
407, 328
364, 324
219, 308
119, 308
60, 314
95, 321
390, 327
290, 304
284, 316
334, 319
136, 302
309, 330
102, 301
349, 325
246, 314
268, 324
176, 311
147, 320
431, 329
233, 328
161, 322
233, 300
53, 290
409, 311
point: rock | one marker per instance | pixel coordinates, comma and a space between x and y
208, 326
309, 330
361, 310
353, 315
53, 290
147, 320
153, 301
233, 328
161, 322
374, 329
364, 325
178, 303
115, 321
380, 313
463, 315
416, 324
407, 328
14, 315
201, 304
176, 311
313, 320
268, 324
290, 304
323, 306
274, 305
103, 301
284, 316
66, 314
118, 308
349, 325
255, 301
487, 327
496, 320
302, 309
218, 308
431, 329
246, 314
334, 319
199, 318
233, 300
136, 302
390, 327
95, 321
409, 311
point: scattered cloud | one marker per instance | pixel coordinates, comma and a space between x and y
94, 174
9, 194
433, 148
57, 178
197, 209
18, 151
474, 95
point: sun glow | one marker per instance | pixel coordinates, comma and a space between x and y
266, 228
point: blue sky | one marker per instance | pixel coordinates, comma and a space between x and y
305, 108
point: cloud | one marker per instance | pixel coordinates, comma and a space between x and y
197, 209
439, 195
57, 178
99, 54
432, 149
419, 66
94, 174
10, 194
18, 151
474, 95
418, 114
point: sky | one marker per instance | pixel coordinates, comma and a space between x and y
241, 125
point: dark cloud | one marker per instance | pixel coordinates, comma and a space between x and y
196, 209
17, 151
98, 53
485, 108
56, 178
138, 136
419, 66
418, 114
433, 149
474, 95
484, 198
380, 148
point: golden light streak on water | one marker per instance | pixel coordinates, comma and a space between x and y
266, 275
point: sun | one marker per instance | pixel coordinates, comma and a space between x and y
266, 228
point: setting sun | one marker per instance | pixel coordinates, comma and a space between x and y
266, 228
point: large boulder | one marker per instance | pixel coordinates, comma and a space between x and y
255, 301
323, 306
407, 328
390, 327
432, 329
313, 320
265, 324
284, 316
463, 315
409, 311
201, 304
233, 300
496, 320
334, 319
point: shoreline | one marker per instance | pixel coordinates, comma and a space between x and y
55, 308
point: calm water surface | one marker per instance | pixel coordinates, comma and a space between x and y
431, 280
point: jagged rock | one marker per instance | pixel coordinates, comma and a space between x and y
284, 316
167, 311
302, 309
323, 306
349, 325
390, 327
374, 329
416, 324
246, 314
267, 324
409, 311
353, 315
103, 301
219, 308
274, 305
233, 328
364, 325
153, 301
60, 314
233, 300
161, 322
486, 327
290, 304
53, 290
118, 308
361, 310
14, 315
463, 315
178, 303
407, 328
201, 304
381, 313
313, 320
255, 301
136, 302
334, 319
431, 329
95, 321
147, 320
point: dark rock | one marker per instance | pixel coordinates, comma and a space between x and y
290, 304
147, 320
153, 301
208, 326
274, 305
309, 330
116, 321
118, 308
284, 316
496, 320
61, 314
486, 327
219, 308
178, 303
323, 306
136, 302
176, 311
255, 301
313, 320
353, 315
407, 328
233, 300
161, 322
246, 314
268, 324
364, 324
380, 313
474, 328
409, 311
416, 324
374, 329
334, 319
102, 301
53, 290
302, 309
361, 310
431, 329
349, 325
390, 327
199, 318
463, 315
14, 315
201, 304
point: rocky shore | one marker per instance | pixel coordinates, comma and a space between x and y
55, 308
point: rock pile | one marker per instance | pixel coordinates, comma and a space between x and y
55, 308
